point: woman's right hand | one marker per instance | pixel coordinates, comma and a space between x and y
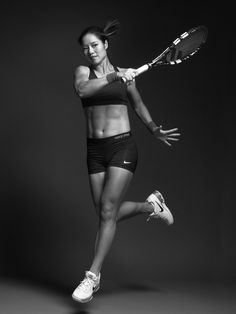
127, 76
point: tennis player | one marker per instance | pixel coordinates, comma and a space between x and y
111, 149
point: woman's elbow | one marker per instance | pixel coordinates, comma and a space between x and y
80, 92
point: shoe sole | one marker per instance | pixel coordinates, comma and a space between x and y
81, 301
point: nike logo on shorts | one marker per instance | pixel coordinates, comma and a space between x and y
127, 162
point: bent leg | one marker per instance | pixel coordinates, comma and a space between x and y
116, 184
131, 209
126, 210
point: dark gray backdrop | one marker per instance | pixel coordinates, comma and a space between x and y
48, 223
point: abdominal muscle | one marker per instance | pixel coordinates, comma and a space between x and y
106, 120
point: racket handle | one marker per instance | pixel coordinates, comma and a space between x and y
142, 69
139, 71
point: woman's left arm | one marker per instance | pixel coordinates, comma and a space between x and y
144, 115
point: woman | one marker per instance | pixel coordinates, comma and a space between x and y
104, 91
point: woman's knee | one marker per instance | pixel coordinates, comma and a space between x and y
108, 210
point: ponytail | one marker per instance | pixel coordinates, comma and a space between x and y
111, 28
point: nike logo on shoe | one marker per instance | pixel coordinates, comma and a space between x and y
162, 209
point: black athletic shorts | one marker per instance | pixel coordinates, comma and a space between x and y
118, 151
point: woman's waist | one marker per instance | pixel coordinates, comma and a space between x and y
101, 133
104, 141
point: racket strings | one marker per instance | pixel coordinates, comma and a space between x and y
183, 47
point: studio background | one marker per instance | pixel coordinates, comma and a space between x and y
48, 224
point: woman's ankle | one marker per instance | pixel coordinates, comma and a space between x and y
94, 271
148, 207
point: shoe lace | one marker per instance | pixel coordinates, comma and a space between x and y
160, 196
86, 284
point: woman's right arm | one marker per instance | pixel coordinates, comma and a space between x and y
85, 87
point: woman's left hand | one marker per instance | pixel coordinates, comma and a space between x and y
166, 135
128, 76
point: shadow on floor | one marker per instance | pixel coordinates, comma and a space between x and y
116, 287
62, 293
113, 288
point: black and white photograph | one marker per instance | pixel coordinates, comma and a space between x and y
118, 158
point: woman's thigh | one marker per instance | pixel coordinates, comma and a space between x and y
109, 186
96, 182
117, 181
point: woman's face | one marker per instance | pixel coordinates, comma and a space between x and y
94, 49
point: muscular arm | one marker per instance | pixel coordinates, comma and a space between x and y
85, 87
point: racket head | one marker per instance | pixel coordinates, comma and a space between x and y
183, 47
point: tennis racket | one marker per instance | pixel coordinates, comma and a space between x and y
182, 48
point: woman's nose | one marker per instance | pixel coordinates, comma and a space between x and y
90, 49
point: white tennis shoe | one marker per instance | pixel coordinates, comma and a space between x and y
84, 292
160, 208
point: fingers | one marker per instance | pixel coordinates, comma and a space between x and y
171, 131
167, 143
172, 139
167, 139
130, 73
129, 76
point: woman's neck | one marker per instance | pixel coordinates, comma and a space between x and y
104, 67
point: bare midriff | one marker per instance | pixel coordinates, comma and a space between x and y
106, 120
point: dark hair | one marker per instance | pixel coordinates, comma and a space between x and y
103, 33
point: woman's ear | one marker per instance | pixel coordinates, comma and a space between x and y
106, 44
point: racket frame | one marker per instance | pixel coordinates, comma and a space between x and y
157, 60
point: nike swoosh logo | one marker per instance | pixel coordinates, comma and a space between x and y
127, 162
162, 209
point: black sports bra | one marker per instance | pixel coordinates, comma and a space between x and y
111, 94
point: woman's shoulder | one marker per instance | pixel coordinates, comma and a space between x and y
82, 69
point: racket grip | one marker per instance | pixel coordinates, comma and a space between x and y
142, 69
138, 71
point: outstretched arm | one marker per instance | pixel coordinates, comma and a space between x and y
142, 112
